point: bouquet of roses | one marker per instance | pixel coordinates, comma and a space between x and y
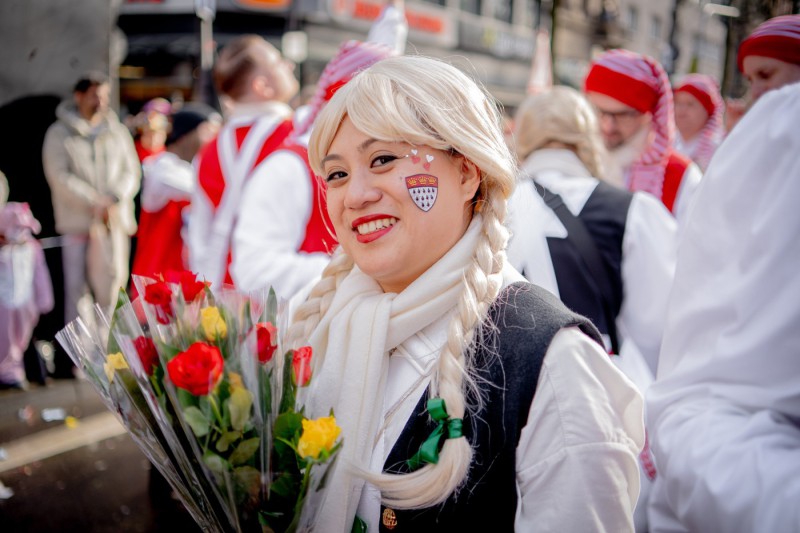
202, 382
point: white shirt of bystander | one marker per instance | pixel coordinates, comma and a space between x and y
724, 412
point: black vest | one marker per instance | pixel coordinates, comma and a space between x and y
526, 318
604, 216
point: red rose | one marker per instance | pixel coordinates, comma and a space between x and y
160, 296
158, 293
190, 286
198, 369
267, 341
301, 366
147, 353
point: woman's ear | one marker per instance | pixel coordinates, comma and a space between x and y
470, 179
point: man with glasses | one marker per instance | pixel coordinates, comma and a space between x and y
633, 100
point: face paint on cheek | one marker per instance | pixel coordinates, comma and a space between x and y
415, 158
423, 189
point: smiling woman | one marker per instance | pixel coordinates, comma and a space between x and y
419, 312
376, 194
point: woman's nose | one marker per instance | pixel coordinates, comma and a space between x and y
361, 191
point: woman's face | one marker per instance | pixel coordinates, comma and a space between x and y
690, 115
397, 209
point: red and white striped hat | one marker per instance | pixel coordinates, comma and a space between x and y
778, 38
351, 58
638, 81
705, 89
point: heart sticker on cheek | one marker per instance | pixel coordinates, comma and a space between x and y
427, 164
414, 157
423, 190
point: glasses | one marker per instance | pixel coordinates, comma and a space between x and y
627, 116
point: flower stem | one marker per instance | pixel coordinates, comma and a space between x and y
303, 490
212, 401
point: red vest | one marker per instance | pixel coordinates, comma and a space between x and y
673, 176
319, 238
159, 246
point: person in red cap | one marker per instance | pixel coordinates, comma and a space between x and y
633, 100
698, 118
770, 56
286, 218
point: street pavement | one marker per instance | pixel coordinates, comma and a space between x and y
66, 464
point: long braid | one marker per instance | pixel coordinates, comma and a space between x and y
454, 377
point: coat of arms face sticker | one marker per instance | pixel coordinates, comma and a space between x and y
423, 189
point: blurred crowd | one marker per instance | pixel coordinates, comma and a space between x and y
648, 206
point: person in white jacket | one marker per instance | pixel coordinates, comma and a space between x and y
91, 166
274, 238
633, 234
724, 411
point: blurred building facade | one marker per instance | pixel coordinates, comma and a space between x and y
679, 33
491, 38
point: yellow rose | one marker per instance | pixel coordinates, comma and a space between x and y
213, 325
235, 380
114, 361
318, 435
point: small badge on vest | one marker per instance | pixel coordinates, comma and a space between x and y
389, 519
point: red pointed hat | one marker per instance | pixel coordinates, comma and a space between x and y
778, 38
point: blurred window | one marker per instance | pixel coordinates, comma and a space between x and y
655, 27
472, 6
633, 19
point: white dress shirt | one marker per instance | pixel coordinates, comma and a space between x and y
576, 457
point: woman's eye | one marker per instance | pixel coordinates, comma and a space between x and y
333, 176
382, 160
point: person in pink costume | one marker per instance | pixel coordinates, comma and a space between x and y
26, 291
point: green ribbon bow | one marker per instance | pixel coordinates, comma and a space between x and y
359, 526
429, 451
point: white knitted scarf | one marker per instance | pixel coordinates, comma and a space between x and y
356, 335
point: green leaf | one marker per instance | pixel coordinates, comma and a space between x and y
186, 398
196, 420
212, 302
215, 463
226, 439
247, 319
285, 486
244, 451
272, 307
166, 407
288, 427
122, 299
288, 399
266, 391
168, 350
239, 405
248, 479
